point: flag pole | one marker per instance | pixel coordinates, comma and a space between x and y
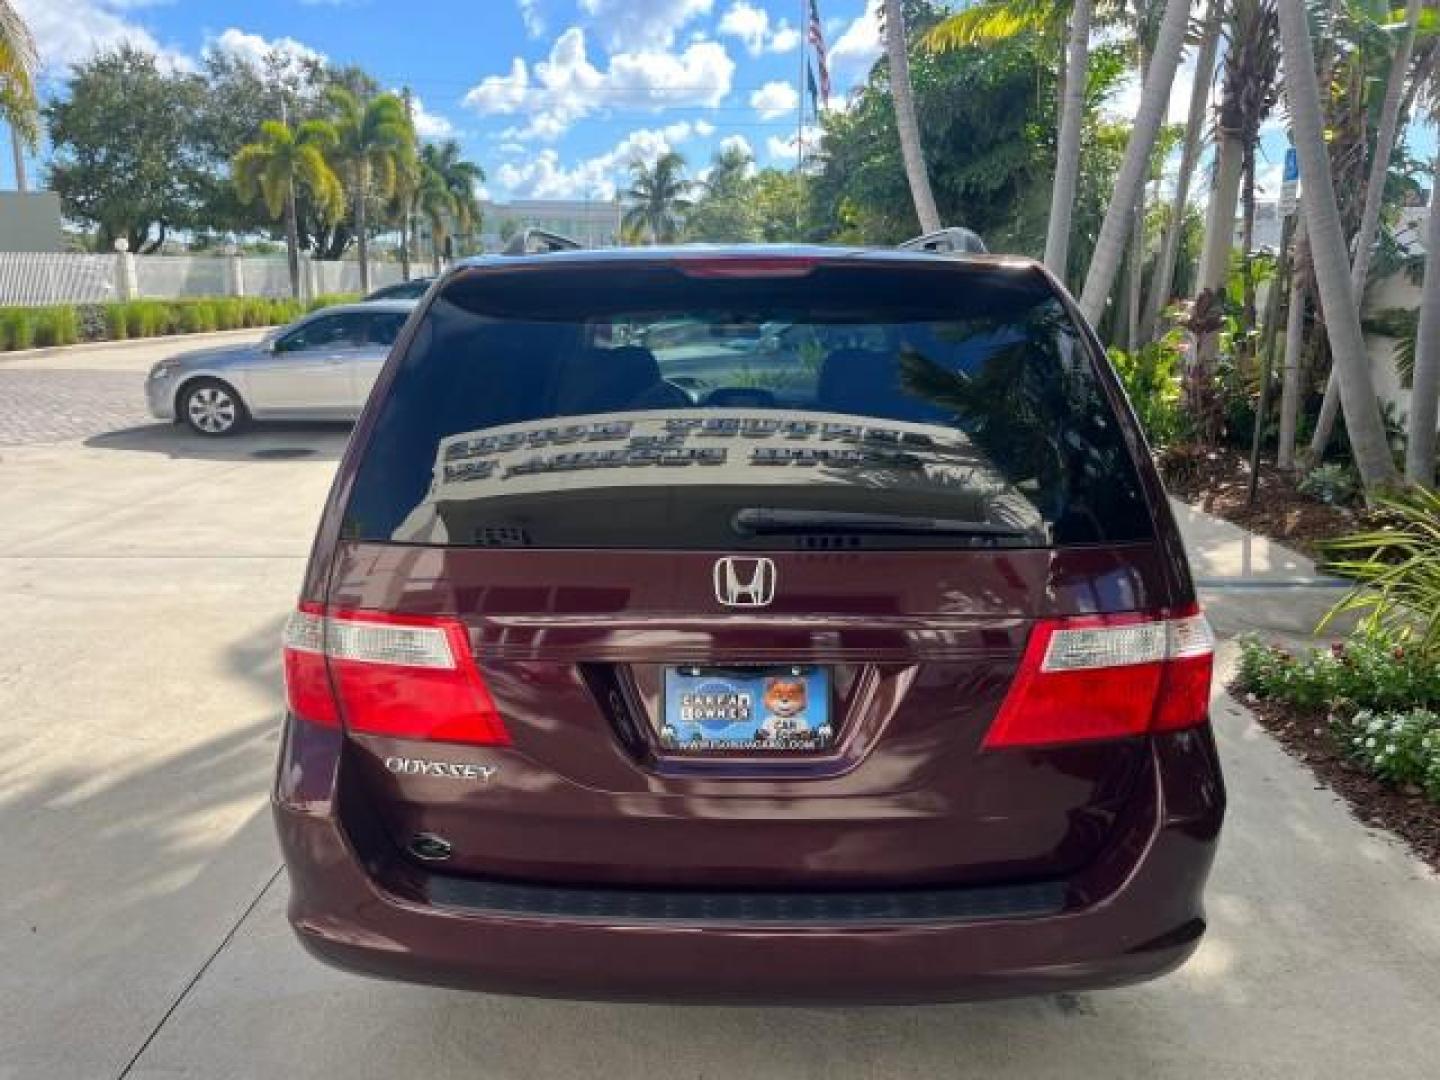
800, 85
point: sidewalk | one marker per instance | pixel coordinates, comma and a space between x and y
131, 355
1251, 584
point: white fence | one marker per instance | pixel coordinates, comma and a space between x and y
44, 278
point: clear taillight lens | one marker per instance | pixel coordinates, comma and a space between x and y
404, 676
1107, 677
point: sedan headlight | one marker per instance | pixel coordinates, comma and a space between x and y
164, 369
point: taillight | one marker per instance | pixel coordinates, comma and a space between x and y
405, 676
1107, 677
747, 266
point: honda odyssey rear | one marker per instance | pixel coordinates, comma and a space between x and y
782, 625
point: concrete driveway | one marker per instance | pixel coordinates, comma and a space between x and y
144, 575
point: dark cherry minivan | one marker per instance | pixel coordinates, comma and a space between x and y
753, 625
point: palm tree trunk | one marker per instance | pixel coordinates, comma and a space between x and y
362, 237
1294, 344
292, 239
1425, 387
405, 244
1327, 245
1220, 215
1153, 102
905, 119
1385, 137
17, 150
1067, 150
1214, 274
1163, 276
1133, 274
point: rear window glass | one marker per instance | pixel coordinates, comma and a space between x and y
642, 407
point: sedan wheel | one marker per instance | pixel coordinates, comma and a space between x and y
212, 408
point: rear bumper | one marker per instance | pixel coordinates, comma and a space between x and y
1135, 913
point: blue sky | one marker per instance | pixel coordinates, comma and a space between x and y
552, 97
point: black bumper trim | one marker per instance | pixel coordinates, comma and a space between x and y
736, 907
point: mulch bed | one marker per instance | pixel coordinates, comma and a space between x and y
1407, 814
1218, 483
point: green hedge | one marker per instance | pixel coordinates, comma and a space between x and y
24, 328
65, 324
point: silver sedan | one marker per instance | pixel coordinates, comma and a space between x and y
318, 368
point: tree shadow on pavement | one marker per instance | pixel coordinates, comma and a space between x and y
264, 442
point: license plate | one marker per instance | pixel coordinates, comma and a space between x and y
752, 710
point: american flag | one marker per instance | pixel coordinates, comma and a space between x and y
816, 33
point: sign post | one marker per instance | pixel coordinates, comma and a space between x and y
1290, 184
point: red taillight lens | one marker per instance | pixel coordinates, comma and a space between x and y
307, 682
1107, 677
410, 677
745, 266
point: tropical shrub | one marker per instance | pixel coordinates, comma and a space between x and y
115, 322
56, 326
64, 324
1333, 484
331, 299
1368, 672
17, 328
1400, 747
1151, 376
1397, 568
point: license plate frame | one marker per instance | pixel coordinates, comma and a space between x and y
740, 710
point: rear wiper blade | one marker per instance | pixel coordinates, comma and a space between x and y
774, 521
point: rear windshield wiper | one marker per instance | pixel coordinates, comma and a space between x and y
774, 521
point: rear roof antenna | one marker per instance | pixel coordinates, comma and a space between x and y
539, 242
953, 239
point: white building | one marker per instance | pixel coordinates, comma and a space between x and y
593, 222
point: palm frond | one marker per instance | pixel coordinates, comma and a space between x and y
991, 21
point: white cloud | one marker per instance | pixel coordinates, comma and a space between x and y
750, 25
859, 46
1125, 102
431, 127
782, 150
71, 31
774, 99
254, 50
628, 25
567, 86
532, 17
542, 176
737, 142
785, 39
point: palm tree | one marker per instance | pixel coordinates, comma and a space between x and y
374, 139
1425, 380
905, 120
19, 61
1327, 245
460, 178
657, 197
1067, 150
1154, 100
1385, 136
280, 162
435, 200
1251, 87
1163, 276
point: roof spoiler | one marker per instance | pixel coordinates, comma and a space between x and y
539, 242
953, 239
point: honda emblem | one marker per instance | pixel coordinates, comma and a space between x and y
744, 582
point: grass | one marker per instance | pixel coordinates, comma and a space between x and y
66, 324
